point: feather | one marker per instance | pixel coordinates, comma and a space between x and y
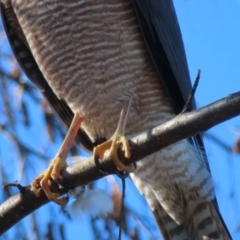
90, 202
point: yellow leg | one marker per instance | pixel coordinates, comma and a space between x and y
115, 142
57, 165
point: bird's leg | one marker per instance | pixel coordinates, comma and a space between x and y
115, 141
57, 165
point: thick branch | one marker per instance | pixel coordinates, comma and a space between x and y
182, 126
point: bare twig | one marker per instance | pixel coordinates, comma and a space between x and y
17, 185
182, 126
190, 100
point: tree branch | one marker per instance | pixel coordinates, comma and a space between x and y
81, 173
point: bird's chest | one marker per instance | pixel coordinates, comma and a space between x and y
93, 55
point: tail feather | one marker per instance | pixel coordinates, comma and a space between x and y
204, 221
169, 228
213, 207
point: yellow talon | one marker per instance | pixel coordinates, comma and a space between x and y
115, 142
53, 173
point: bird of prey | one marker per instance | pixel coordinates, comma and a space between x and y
90, 58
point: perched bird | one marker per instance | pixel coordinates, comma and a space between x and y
90, 58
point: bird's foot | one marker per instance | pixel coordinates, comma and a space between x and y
115, 142
113, 145
52, 174
57, 165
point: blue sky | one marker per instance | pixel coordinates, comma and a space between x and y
211, 36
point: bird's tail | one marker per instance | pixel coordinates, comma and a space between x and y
204, 221
169, 228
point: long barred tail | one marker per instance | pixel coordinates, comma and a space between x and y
203, 222
181, 213
168, 227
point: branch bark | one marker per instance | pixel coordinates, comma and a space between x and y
81, 173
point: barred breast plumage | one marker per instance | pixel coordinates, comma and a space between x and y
93, 55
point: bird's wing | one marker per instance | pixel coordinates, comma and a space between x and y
162, 34
163, 37
27, 62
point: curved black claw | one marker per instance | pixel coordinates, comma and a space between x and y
100, 169
124, 175
120, 174
63, 185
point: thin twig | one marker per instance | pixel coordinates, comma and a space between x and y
188, 105
21, 189
81, 173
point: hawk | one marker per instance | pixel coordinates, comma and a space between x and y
90, 58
